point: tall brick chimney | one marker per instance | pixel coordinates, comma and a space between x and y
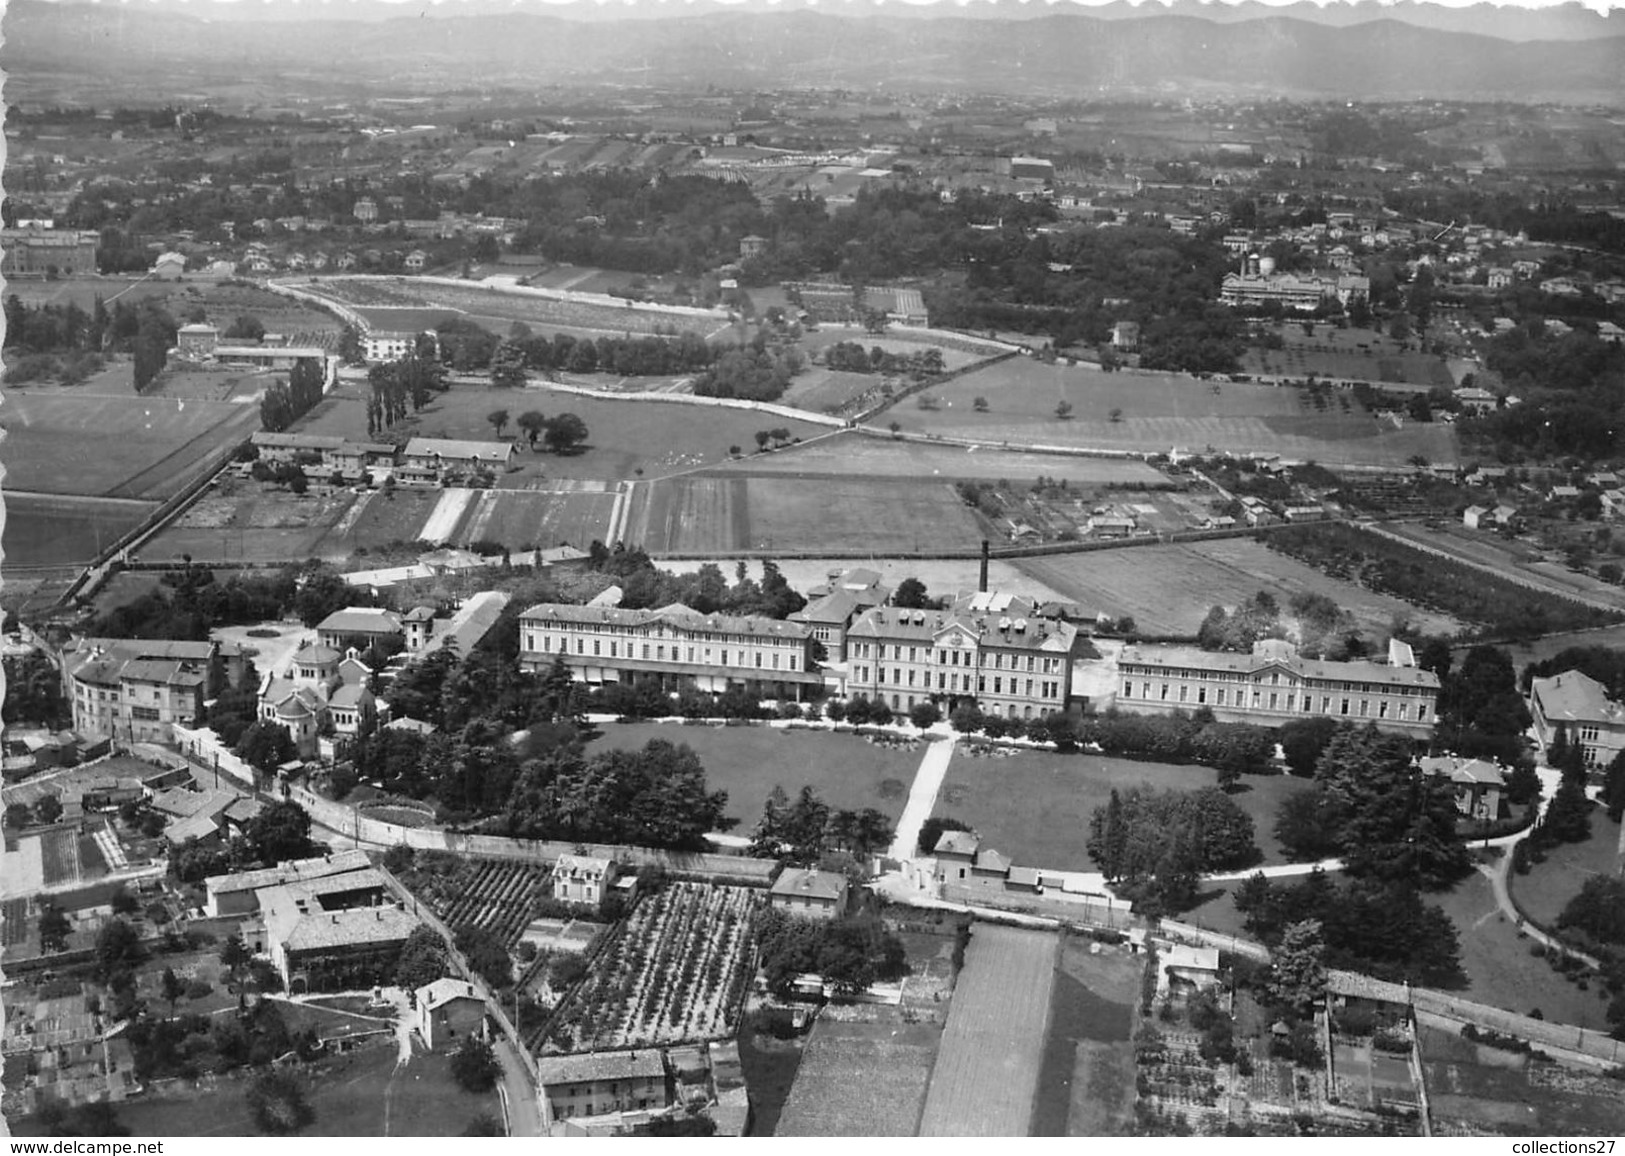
981, 581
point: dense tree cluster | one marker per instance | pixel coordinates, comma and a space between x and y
1155, 844
803, 831
285, 402
192, 602
849, 953
707, 590
394, 385
850, 357
1233, 749
34, 691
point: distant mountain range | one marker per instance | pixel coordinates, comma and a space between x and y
1077, 51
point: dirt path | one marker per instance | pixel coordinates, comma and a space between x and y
922, 797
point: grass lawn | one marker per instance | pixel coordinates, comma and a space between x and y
1160, 411
1346, 354
1086, 1083
361, 1094
626, 439
1499, 967
1547, 889
748, 762
1035, 807
43, 530
770, 1071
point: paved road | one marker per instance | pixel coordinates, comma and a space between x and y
521, 1109
922, 796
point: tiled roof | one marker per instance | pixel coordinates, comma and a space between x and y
1015, 632
1575, 696
957, 843
358, 925
681, 617
1466, 771
458, 450
338, 863
183, 804
987, 859
589, 865
443, 991
360, 620
797, 882
581, 1069
1190, 657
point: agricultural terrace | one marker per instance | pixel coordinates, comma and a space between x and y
986, 1073
406, 302
702, 516
627, 439
846, 771
1086, 1082
1336, 354
850, 454
1502, 966
1158, 412
1477, 1090
107, 442
1169, 589
1035, 806
675, 970
495, 895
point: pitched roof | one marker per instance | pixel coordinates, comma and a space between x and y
582, 865
676, 615
338, 863
957, 843
360, 620
442, 991
1464, 771
1190, 657
184, 804
199, 826
556, 1070
801, 882
987, 859
1575, 696
459, 449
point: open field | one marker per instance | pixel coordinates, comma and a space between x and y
1499, 967
702, 516
1159, 412
1524, 653
986, 1073
626, 439
1169, 589
855, 455
360, 1094
52, 530
1086, 1082
847, 771
957, 352
941, 576
1547, 889
817, 389
1345, 355
1035, 806
69, 441
861, 1079
223, 303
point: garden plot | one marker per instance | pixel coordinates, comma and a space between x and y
674, 971
493, 894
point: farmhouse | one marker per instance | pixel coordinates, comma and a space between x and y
337, 933
990, 649
1273, 685
1581, 705
1478, 784
440, 454
583, 878
447, 1011
810, 894
600, 1083
134, 689
237, 893
671, 645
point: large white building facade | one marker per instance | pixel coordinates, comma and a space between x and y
1273, 685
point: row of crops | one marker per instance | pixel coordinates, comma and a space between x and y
676, 970
496, 895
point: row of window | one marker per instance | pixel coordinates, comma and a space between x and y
1273, 700
675, 634
954, 657
1274, 680
956, 683
657, 653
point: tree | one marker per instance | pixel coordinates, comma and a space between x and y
1063, 410
532, 423
1303, 741
911, 595
924, 715
1115, 416
1613, 788
508, 365
18, 816
498, 419
266, 745
47, 809
277, 1103
485, 954
118, 949
123, 901
1298, 966
280, 831
1309, 825
234, 954
565, 433
485, 1124
173, 988
979, 404
474, 1065
422, 959
53, 930
246, 327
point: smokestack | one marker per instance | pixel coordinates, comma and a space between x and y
981, 581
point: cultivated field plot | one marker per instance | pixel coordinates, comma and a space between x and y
675, 970
521, 518
702, 516
1169, 589
627, 439
67, 441
1035, 806
46, 530
850, 454
1513, 559
861, 1079
1159, 412
1478, 1091
1345, 355
987, 1070
847, 771
497, 307
820, 390
497, 895
1086, 1083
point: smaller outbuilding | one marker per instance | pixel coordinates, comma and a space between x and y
447, 1011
